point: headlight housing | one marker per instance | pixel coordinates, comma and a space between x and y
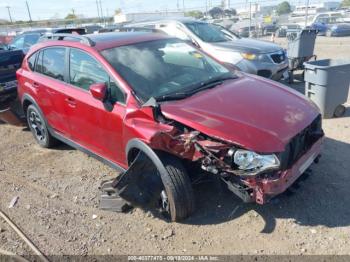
251, 163
249, 56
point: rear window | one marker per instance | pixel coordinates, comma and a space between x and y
31, 61
51, 62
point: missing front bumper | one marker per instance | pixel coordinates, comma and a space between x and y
261, 191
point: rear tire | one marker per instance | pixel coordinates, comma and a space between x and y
178, 189
339, 111
38, 127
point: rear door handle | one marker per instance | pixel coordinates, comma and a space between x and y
71, 102
36, 85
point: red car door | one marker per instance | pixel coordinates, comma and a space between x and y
92, 125
48, 85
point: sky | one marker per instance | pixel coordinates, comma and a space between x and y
47, 9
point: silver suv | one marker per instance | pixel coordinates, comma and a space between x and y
249, 55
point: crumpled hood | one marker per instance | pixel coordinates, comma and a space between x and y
248, 45
255, 113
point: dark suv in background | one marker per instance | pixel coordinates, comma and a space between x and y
28, 38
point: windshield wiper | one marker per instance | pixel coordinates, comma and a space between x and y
193, 89
173, 96
211, 83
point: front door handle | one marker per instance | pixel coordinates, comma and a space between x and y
71, 102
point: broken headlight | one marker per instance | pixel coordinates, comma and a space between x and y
251, 163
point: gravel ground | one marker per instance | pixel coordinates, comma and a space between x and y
57, 206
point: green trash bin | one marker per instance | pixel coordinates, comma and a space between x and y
327, 84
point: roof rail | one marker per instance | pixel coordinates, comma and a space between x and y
138, 29
61, 37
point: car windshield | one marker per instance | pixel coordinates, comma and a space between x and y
164, 67
208, 32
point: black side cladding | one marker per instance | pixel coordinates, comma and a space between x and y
141, 184
301, 143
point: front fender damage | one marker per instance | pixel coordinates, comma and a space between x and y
141, 184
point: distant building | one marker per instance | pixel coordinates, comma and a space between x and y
248, 9
139, 17
313, 9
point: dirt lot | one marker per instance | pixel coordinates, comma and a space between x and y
57, 206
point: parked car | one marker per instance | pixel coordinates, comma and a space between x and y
150, 106
28, 38
245, 31
342, 29
320, 27
92, 29
283, 29
10, 61
249, 55
268, 29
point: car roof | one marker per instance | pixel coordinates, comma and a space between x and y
104, 41
115, 39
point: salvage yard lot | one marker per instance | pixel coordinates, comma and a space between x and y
58, 199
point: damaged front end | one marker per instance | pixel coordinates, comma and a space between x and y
257, 177
251, 176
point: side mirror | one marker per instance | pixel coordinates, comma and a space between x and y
99, 91
192, 43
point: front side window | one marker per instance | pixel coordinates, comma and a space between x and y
174, 30
207, 32
53, 62
85, 71
163, 67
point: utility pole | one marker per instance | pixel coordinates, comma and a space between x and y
30, 16
178, 5
8, 10
306, 12
98, 10
183, 5
101, 12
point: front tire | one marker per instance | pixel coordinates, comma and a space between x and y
178, 189
38, 127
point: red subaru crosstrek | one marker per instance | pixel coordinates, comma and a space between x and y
154, 107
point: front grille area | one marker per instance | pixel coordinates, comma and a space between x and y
278, 57
301, 143
264, 73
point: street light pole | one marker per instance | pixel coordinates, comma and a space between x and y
8, 10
